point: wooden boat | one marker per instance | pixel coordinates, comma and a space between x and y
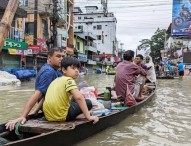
38, 132
111, 73
165, 77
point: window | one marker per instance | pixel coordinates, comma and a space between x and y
29, 28
44, 29
98, 37
105, 25
99, 16
99, 27
26, 3
79, 18
94, 27
80, 27
77, 46
88, 18
23, 2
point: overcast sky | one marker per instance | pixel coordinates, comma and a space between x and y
137, 19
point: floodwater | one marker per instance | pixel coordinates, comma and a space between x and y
165, 121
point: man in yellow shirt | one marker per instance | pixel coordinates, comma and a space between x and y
58, 105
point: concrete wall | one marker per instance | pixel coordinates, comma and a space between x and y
107, 32
81, 41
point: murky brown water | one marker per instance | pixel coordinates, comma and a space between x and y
165, 121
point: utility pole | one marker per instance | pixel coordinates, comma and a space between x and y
113, 48
35, 33
55, 19
35, 22
121, 50
70, 40
6, 21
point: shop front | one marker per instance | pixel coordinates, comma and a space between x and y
12, 54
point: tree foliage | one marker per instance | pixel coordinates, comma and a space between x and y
155, 44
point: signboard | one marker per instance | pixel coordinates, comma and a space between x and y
17, 52
181, 18
35, 48
12, 51
13, 44
91, 62
42, 43
187, 58
82, 57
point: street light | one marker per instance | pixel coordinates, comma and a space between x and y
121, 51
121, 45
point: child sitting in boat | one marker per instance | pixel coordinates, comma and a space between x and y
58, 105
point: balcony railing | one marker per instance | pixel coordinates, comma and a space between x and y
90, 43
16, 34
89, 34
91, 48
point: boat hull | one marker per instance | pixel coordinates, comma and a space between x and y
165, 77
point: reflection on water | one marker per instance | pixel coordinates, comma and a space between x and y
165, 121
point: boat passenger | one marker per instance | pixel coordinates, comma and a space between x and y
157, 70
139, 61
189, 71
181, 69
126, 74
45, 76
151, 75
58, 105
107, 69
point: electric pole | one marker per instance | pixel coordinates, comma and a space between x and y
35, 64
35, 22
6, 21
55, 19
70, 40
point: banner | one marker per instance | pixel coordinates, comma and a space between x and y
35, 48
13, 51
42, 43
181, 18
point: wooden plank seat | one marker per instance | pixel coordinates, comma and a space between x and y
41, 125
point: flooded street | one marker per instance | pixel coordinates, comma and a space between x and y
165, 121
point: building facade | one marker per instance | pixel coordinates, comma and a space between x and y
100, 24
14, 46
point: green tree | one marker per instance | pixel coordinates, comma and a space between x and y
155, 44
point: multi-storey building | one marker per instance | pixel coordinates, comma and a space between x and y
36, 37
100, 24
43, 20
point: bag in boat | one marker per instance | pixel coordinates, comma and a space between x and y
90, 93
129, 99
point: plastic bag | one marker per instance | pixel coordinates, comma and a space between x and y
129, 99
90, 93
